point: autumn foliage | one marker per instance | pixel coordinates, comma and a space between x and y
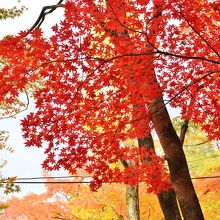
76, 201
101, 69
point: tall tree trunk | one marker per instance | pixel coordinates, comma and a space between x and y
167, 200
174, 153
132, 202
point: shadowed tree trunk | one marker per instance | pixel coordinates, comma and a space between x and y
167, 200
175, 156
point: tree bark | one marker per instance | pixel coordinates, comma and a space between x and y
132, 202
167, 200
174, 153
132, 197
169, 206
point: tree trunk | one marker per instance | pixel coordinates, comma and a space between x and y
167, 200
132, 196
179, 171
132, 202
169, 206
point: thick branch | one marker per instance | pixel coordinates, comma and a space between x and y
45, 11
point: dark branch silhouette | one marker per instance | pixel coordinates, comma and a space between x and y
44, 12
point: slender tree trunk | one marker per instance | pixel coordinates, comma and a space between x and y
132, 197
167, 200
132, 202
179, 171
183, 131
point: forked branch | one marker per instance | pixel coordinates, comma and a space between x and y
44, 12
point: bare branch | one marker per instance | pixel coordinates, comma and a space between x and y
45, 11
192, 145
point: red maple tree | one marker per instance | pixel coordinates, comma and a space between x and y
105, 71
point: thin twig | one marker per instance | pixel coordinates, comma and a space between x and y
193, 145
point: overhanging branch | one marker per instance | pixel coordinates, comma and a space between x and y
44, 12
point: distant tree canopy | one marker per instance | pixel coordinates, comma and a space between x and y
11, 13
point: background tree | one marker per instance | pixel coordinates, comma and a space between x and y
6, 184
201, 153
11, 13
8, 110
76, 201
34, 206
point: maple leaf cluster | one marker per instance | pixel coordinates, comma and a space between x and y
101, 68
